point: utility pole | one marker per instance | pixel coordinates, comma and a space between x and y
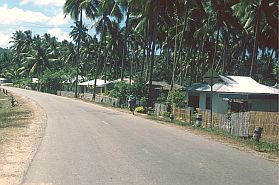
211, 77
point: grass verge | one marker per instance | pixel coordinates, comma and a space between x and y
11, 117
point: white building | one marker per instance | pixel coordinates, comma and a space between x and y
238, 93
3, 80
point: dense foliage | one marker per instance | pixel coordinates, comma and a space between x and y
176, 41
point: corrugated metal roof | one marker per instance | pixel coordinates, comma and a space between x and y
91, 83
165, 85
235, 84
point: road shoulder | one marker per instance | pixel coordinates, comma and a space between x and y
21, 143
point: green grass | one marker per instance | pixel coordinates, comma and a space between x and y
4, 108
12, 116
270, 146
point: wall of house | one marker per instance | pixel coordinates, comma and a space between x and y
202, 102
218, 104
221, 106
265, 105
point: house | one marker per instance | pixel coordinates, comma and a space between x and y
101, 85
125, 80
237, 93
34, 80
88, 86
3, 80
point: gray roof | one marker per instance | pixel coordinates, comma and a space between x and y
165, 85
235, 84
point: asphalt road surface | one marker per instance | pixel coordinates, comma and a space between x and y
85, 144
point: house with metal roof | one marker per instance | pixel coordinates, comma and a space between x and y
235, 93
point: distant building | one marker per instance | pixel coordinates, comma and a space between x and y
237, 93
3, 80
35, 80
162, 87
88, 86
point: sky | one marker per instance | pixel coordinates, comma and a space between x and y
39, 16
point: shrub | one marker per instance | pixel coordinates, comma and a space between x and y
166, 114
179, 98
162, 97
121, 91
140, 109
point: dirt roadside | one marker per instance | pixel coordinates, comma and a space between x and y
20, 143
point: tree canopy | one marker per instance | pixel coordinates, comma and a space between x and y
175, 41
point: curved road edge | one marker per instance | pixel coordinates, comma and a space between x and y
39, 119
21, 150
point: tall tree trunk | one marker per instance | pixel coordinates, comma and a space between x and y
97, 66
179, 51
216, 48
131, 69
167, 53
174, 56
255, 46
193, 65
125, 52
143, 60
78, 52
186, 64
96, 74
148, 56
226, 43
243, 54
152, 57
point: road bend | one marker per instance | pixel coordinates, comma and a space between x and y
85, 144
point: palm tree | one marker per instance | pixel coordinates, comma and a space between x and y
75, 8
39, 57
103, 25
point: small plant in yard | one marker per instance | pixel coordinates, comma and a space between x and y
178, 98
140, 109
166, 114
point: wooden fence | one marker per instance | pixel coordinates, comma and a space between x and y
66, 94
240, 124
88, 96
114, 102
183, 114
160, 109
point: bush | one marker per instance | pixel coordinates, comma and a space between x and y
162, 97
140, 109
166, 114
179, 98
138, 88
51, 81
121, 91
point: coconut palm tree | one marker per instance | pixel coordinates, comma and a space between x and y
74, 8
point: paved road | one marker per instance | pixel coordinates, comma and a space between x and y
85, 144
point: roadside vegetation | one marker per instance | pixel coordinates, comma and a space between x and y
11, 117
160, 40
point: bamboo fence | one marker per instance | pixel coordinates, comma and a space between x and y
269, 121
240, 124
